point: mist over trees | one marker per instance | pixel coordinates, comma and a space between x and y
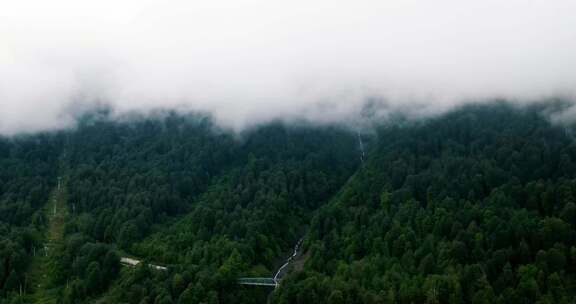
250, 151
475, 206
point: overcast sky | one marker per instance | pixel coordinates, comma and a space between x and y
249, 60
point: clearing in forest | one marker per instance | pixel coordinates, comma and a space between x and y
42, 267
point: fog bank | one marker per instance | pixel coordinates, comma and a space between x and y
251, 61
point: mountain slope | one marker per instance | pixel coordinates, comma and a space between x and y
177, 191
476, 206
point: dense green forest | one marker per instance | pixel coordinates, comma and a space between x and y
156, 188
474, 206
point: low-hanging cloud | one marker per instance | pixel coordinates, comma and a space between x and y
248, 61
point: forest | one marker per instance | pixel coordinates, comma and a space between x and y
477, 205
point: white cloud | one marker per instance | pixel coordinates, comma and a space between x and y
252, 60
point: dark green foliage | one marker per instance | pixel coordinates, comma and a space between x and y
233, 203
476, 206
253, 209
28, 166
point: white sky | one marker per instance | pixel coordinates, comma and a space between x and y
250, 60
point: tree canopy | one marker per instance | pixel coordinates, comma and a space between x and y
477, 205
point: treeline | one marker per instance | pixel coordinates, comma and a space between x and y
476, 206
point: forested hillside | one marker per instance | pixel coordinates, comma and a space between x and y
173, 189
245, 198
477, 206
474, 206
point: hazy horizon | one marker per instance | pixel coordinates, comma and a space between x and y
253, 61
